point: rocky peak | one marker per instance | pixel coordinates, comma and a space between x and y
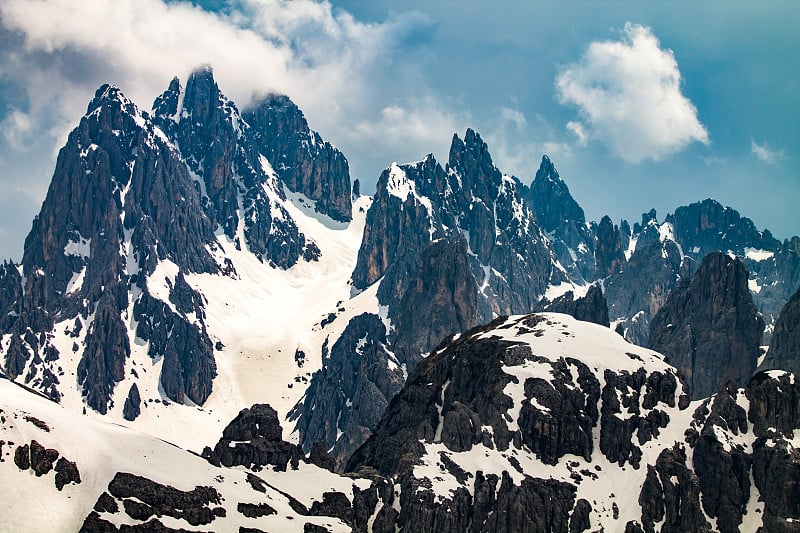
470, 158
608, 252
301, 158
709, 327
560, 216
552, 200
233, 178
706, 226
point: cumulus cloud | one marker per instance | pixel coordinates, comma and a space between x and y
628, 93
16, 128
765, 153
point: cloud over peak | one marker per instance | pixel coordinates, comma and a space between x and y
628, 93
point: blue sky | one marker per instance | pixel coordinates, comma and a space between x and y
639, 104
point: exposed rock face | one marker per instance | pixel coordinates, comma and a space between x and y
636, 294
254, 439
441, 298
489, 394
359, 370
136, 204
142, 499
452, 247
302, 160
590, 308
218, 145
559, 215
42, 460
774, 267
132, 407
784, 349
670, 494
709, 328
707, 226
609, 254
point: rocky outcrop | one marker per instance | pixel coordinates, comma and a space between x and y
608, 252
441, 298
591, 307
487, 393
254, 439
560, 216
636, 294
671, 495
704, 227
132, 408
709, 328
219, 147
43, 460
359, 370
300, 157
784, 348
142, 499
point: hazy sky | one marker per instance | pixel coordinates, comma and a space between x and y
639, 104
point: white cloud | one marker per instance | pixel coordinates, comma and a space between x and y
579, 131
629, 96
765, 153
16, 128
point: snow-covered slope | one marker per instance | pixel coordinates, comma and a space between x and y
145, 470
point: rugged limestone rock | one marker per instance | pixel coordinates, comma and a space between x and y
709, 328
441, 298
217, 144
670, 494
704, 227
254, 439
132, 407
784, 348
559, 215
302, 160
608, 252
142, 498
103, 361
360, 370
636, 294
590, 308
66, 472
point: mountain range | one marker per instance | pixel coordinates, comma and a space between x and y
461, 351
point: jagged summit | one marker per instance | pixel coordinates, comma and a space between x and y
709, 327
303, 161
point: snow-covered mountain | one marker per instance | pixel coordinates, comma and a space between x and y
197, 260
545, 423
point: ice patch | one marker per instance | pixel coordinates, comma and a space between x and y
758, 255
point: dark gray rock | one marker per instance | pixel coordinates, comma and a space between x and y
302, 160
670, 494
132, 407
608, 252
590, 308
784, 348
559, 215
636, 294
66, 472
356, 373
254, 439
709, 328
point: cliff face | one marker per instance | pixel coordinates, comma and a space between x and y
784, 349
709, 328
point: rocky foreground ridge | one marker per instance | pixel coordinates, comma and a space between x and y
531, 423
